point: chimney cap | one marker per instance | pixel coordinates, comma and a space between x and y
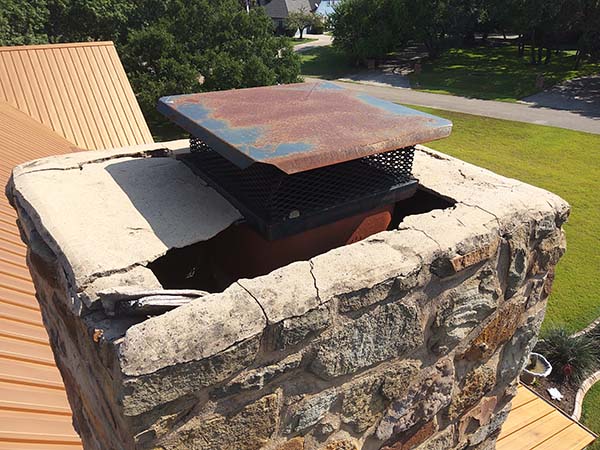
299, 127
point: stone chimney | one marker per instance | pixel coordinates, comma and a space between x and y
411, 338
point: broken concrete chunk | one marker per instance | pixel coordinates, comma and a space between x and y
195, 331
133, 300
284, 293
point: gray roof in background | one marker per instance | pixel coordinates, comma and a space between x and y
279, 9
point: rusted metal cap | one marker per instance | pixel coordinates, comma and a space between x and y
298, 127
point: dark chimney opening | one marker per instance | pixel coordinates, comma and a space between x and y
240, 252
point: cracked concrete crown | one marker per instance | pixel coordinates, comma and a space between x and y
95, 208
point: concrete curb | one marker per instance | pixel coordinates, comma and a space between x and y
589, 381
587, 329
585, 387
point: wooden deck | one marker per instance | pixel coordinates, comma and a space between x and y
534, 424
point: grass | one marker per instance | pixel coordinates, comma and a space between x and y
563, 161
325, 62
494, 73
490, 73
591, 413
296, 41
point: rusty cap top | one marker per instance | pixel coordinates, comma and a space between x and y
298, 127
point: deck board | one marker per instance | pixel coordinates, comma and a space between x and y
534, 424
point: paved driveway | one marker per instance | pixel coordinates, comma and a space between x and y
322, 40
579, 94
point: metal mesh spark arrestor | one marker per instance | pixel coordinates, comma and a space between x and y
296, 157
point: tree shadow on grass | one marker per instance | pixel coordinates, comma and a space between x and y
495, 73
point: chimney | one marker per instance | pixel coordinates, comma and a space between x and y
302, 274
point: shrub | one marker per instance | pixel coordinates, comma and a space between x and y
299, 21
572, 358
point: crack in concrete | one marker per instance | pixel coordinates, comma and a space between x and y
426, 235
433, 155
312, 274
97, 275
155, 153
496, 218
256, 300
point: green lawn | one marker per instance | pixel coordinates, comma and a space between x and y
562, 161
494, 73
591, 413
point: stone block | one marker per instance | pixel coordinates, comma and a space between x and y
479, 416
476, 384
428, 395
443, 440
248, 429
296, 443
388, 331
345, 444
413, 437
145, 392
252, 380
398, 378
310, 411
463, 310
294, 330
362, 403
499, 330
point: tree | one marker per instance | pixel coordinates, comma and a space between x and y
206, 45
23, 22
84, 20
367, 29
588, 23
430, 18
299, 20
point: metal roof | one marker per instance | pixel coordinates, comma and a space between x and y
79, 90
298, 127
34, 412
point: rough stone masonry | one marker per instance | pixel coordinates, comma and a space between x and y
410, 339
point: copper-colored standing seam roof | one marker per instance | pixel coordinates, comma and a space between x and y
79, 90
534, 424
34, 412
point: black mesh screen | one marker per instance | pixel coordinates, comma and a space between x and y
267, 195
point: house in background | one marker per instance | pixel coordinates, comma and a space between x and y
279, 10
